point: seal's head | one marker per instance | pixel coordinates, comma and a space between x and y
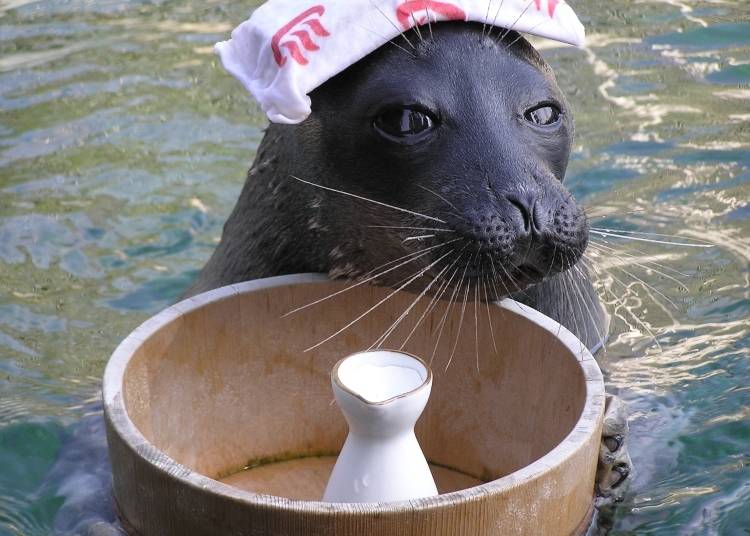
460, 144
472, 132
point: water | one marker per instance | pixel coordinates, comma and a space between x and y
123, 146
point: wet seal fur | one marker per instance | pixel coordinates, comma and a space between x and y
482, 167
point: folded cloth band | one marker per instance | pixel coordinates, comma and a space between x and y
287, 48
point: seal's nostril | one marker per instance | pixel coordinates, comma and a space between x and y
526, 206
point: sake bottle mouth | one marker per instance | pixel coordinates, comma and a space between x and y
381, 376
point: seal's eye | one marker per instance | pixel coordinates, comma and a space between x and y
403, 123
543, 115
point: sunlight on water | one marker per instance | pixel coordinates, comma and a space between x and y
123, 146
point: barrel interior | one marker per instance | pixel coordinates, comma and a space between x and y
230, 390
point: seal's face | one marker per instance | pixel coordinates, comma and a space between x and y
470, 136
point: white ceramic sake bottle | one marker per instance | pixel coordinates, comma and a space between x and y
381, 394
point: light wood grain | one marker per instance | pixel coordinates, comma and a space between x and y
221, 382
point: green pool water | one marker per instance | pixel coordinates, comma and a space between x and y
123, 146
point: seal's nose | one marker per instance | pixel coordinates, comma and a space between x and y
532, 217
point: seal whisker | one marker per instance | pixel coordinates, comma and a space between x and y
374, 4
429, 19
458, 268
625, 257
387, 333
502, 282
447, 286
433, 303
628, 288
507, 31
489, 316
643, 233
584, 276
569, 292
420, 237
389, 41
551, 262
637, 320
441, 325
407, 277
460, 323
456, 212
567, 279
367, 199
519, 37
406, 227
646, 265
653, 241
494, 280
591, 270
498, 295
415, 255
476, 324
582, 303
411, 254
439, 276
581, 299
646, 285
486, 17
602, 213
592, 317
650, 291
416, 27
632, 289
510, 278
494, 21
413, 278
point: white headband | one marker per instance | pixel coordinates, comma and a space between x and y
287, 48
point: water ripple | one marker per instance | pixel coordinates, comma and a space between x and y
123, 145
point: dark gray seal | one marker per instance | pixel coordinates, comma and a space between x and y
462, 140
453, 142
468, 134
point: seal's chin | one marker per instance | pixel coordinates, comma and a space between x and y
529, 274
506, 280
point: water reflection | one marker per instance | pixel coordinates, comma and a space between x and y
123, 146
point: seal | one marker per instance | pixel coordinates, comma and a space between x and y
459, 144
442, 157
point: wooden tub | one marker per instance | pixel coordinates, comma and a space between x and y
219, 422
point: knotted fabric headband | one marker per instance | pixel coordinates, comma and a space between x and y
287, 48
